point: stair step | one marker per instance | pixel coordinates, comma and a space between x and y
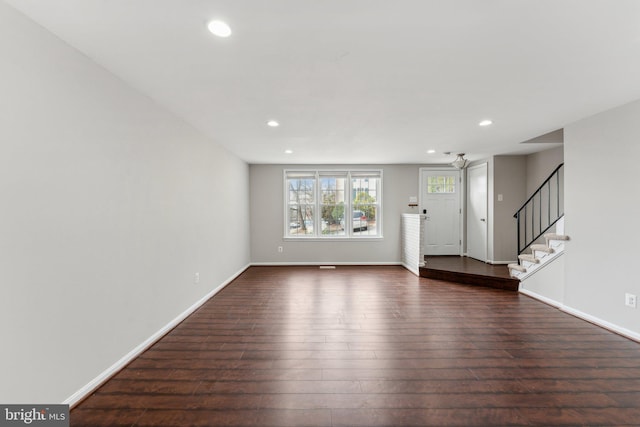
529, 258
554, 236
542, 248
517, 267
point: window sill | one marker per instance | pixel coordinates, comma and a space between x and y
331, 239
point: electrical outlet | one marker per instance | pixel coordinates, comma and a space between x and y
630, 300
280, 249
196, 278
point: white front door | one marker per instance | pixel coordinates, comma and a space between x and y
440, 199
477, 203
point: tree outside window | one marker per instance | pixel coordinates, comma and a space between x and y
348, 203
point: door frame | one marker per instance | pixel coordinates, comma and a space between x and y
485, 166
461, 195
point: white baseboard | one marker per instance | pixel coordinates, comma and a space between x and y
541, 298
85, 391
584, 316
314, 263
602, 323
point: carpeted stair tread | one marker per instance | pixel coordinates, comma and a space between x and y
517, 267
542, 248
554, 236
529, 258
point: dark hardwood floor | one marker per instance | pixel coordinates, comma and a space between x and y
469, 271
373, 346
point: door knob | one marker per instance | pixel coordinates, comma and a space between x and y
482, 219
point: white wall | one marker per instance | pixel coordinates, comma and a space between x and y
267, 208
602, 209
109, 205
547, 282
540, 165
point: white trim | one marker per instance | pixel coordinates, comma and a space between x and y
316, 263
463, 211
602, 323
349, 175
534, 268
89, 388
635, 336
541, 298
331, 239
415, 271
99, 380
502, 262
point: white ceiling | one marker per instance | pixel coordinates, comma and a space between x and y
364, 81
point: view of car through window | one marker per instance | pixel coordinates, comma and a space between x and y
359, 221
333, 204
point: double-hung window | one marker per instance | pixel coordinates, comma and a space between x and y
333, 203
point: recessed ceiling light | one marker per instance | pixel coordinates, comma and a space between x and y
485, 123
288, 151
219, 28
273, 123
431, 151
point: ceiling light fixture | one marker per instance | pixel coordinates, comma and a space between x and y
485, 123
219, 28
288, 151
431, 151
460, 162
273, 123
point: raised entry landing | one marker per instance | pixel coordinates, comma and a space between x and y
468, 271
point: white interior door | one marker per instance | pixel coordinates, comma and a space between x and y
440, 199
477, 204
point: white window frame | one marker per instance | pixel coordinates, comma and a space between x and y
317, 217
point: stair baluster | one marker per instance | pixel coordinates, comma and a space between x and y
530, 219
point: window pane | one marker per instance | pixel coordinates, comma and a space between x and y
301, 200
300, 220
332, 203
365, 188
300, 190
441, 184
364, 213
365, 221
